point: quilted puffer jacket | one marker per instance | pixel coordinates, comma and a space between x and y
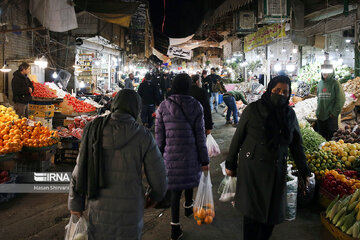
182, 140
118, 211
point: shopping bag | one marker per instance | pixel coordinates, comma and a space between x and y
212, 146
291, 197
229, 189
76, 229
204, 211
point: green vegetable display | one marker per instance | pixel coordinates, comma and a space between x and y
311, 139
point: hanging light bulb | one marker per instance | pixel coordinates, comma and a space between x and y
228, 60
283, 50
5, 69
82, 84
277, 66
347, 49
55, 75
348, 40
295, 50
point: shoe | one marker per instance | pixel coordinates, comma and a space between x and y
176, 231
234, 124
228, 122
189, 209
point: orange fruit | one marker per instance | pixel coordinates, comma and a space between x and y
208, 219
198, 222
210, 212
201, 213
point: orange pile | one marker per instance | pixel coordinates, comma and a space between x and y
14, 135
205, 214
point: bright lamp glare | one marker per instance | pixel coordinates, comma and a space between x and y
55, 75
290, 67
277, 67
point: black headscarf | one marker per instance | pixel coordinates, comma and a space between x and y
278, 122
127, 101
91, 174
181, 84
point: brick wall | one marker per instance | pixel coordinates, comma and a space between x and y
17, 45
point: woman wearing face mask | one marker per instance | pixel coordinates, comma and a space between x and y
267, 128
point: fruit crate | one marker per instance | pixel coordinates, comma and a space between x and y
325, 197
336, 232
34, 161
66, 156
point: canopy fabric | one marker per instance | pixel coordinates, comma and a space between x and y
113, 11
57, 16
119, 19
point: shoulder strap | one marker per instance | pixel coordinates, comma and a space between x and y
186, 117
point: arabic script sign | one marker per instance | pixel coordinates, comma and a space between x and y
264, 36
179, 52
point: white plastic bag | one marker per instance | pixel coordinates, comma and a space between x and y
76, 229
212, 146
228, 193
291, 199
204, 211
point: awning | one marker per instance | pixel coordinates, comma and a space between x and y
113, 11
229, 6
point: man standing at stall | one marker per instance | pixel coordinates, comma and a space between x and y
210, 81
22, 88
331, 99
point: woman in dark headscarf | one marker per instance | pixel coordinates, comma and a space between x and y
180, 135
108, 173
267, 128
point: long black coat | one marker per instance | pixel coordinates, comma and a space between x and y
20, 85
261, 172
201, 95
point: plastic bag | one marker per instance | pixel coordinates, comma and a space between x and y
76, 229
291, 192
204, 211
229, 190
212, 146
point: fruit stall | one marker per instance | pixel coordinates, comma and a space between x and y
335, 163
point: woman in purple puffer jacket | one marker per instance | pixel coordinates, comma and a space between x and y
180, 135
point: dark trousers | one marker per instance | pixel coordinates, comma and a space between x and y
254, 230
146, 114
21, 109
231, 104
175, 203
327, 128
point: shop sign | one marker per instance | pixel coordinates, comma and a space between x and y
263, 36
179, 52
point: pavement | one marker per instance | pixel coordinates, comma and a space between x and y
44, 216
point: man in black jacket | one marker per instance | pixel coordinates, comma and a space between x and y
149, 94
201, 95
22, 88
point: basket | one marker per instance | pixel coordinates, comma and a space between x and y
347, 109
5, 197
42, 149
337, 233
7, 156
325, 197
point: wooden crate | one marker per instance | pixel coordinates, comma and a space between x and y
336, 232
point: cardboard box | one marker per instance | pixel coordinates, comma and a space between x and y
41, 114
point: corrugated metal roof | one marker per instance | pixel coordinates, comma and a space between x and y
229, 6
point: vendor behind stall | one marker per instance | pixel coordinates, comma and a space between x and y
331, 99
22, 88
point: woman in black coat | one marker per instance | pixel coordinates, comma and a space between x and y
267, 128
